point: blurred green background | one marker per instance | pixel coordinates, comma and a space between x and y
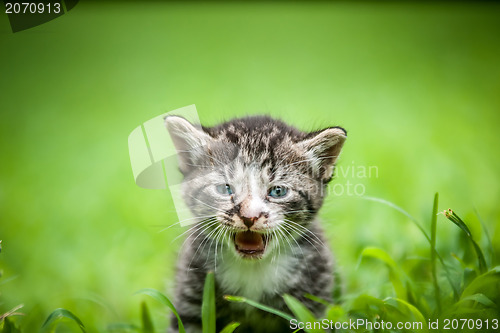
417, 86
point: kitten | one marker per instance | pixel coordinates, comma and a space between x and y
257, 185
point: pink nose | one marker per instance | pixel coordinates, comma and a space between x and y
249, 222
250, 211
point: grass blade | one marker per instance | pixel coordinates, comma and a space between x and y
238, 299
12, 312
488, 237
366, 306
480, 257
478, 298
487, 284
147, 323
408, 308
317, 299
60, 313
208, 305
230, 327
165, 301
395, 274
433, 253
9, 327
417, 224
453, 217
301, 312
402, 211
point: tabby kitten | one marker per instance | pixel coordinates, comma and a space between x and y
256, 185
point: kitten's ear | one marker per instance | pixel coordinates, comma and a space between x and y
323, 148
189, 141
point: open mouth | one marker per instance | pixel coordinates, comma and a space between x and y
251, 245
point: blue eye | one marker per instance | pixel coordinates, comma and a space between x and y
224, 189
277, 191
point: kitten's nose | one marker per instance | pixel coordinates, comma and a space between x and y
250, 211
249, 221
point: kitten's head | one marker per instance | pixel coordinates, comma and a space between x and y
254, 182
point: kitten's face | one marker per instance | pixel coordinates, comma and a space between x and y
255, 183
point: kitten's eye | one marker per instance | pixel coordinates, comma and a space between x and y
224, 189
277, 191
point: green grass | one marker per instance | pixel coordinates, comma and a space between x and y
478, 300
477, 303
415, 84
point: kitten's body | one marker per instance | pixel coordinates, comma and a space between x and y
260, 235
297, 272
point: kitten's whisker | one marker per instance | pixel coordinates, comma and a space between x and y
210, 206
300, 248
275, 236
296, 211
196, 233
203, 243
282, 235
280, 230
293, 238
305, 230
279, 245
170, 226
303, 234
301, 229
223, 240
199, 229
197, 217
213, 239
273, 233
180, 221
306, 238
216, 243
195, 226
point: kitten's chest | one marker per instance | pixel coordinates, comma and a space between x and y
253, 279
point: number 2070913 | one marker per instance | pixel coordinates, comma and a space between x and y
32, 8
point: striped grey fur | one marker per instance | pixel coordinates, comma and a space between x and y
259, 243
